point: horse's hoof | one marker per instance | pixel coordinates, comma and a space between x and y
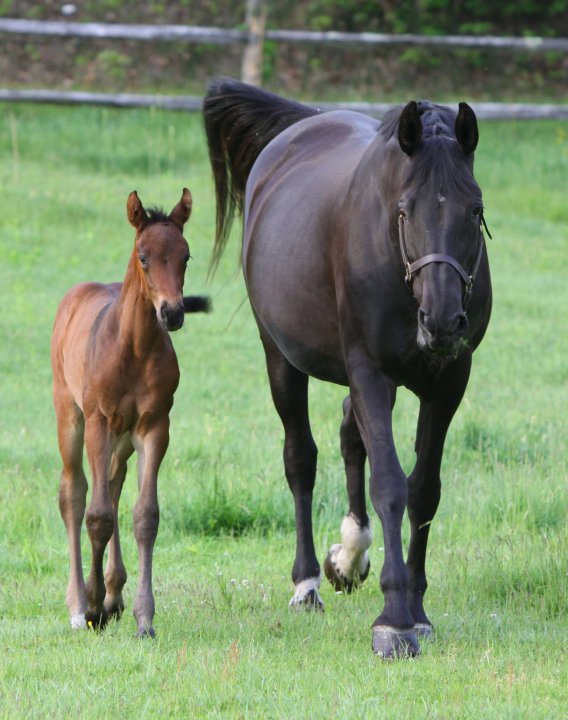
339, 581
424, 631
392, 644
310, 601
146, 632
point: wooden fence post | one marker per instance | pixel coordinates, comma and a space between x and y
251, 71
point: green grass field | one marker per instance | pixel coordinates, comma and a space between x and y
227, 646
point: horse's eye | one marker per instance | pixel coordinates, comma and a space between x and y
143, 261
477, 211
186, 259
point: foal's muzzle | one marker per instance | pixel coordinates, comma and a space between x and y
171, 317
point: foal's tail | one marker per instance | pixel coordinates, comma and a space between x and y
240, 120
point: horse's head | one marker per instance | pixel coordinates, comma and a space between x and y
161, 253
440, 215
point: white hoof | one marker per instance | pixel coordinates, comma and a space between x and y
78, 622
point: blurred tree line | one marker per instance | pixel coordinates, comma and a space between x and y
308, 70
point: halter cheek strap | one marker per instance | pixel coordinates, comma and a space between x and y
412, 268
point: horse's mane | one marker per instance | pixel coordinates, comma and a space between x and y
436, 162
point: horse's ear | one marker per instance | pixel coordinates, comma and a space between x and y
467, 133
180, 214
409, 128
136, 214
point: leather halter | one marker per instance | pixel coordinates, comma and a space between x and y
411, 268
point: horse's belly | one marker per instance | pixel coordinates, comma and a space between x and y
295, 306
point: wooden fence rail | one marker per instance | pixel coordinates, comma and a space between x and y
484, 110
252, 40
188, 33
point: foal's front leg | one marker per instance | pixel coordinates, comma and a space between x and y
115, 573
100, 515
151, 442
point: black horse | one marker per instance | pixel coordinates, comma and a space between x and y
362, 243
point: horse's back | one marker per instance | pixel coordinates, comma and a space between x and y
292, 210
76, 316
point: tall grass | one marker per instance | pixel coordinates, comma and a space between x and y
227, 646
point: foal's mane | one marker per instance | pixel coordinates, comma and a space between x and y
157, 215
438, 160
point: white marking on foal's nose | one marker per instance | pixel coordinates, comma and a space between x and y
441, 198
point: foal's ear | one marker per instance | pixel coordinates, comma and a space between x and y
180, 214
409, 128
467, 133
136, 214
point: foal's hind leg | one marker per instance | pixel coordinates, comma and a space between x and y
347, 563
290, 395
424, 482
72, 497
115, 573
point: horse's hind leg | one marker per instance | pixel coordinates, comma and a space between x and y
115, 573
347, 563
424, 482
289, 389
72, 498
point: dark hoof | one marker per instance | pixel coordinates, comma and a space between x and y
96, 621
115, 609
392, 644
424, 631
339, 582
146, 632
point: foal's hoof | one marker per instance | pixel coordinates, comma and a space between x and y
392, 644
96, 621
114, 608
339, 580
424, 631
146, 632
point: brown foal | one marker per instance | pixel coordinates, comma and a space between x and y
115, 372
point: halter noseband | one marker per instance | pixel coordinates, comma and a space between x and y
412, 268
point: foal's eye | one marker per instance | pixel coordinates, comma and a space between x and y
477, 211
186, 259
143, 261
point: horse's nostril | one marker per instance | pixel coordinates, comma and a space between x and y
461, 323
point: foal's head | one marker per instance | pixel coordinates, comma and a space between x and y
161, 254
440, 215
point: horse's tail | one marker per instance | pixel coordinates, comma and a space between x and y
196, 303
240, 120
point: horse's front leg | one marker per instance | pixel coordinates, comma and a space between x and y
347, 564
436, 413
373, 396
151, 442
100, 515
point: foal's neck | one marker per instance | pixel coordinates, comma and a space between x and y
138, 328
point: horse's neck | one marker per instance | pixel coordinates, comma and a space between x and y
137, 328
